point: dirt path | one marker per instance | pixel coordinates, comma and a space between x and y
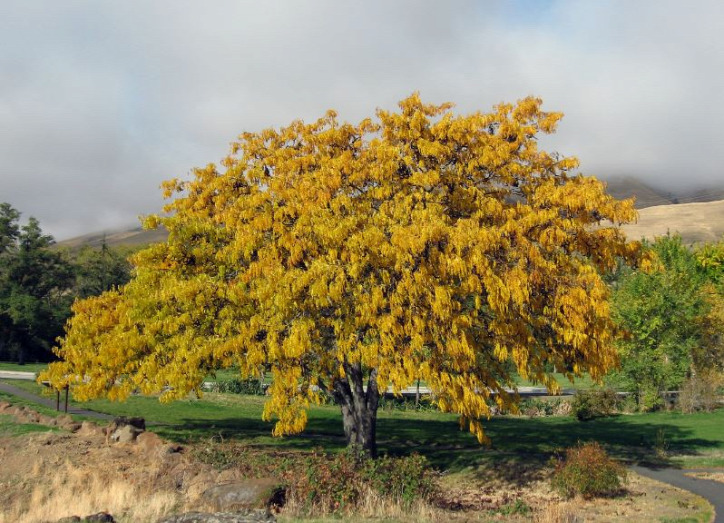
5, 387
712, 491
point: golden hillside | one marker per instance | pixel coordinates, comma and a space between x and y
695, 222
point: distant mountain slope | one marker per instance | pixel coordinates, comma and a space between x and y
129, 237
703, 195
646, 195
659, 211
626, 187
695, 222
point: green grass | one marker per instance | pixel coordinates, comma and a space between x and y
9, 428
583, 383
685, 438
28, 367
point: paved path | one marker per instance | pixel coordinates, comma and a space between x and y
17, 375
50, 403
712, 491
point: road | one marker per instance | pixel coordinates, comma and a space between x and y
712, 491
47, 402
16, 375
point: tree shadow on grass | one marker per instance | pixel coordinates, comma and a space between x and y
522, 445
255, 432
520, 450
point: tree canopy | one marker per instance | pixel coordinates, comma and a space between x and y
350, 259
673, 319
34, 289
38, 283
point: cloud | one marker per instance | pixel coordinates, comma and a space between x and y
101, 101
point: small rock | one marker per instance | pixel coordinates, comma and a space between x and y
121, 421
73, 427
125, 434
247, 516
100, 517
250, 493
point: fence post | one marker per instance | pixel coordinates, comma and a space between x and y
66, 398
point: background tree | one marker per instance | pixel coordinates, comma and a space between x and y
38, 283
672, 317
100, 269
353, 258
710, 258
35, 284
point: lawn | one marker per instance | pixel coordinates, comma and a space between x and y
9, 428
28, 367
662, 437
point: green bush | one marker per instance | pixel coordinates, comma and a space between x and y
588, 471
594, 403
406, 479
408, 404
250, 387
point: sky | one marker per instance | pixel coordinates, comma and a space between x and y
100, 101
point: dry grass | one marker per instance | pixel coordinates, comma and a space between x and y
372, 506
559, 512
47, 476
76, 491
696, 222
712, 476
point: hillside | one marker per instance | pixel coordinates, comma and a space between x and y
627, 187
131, 237
694, 214
695, 222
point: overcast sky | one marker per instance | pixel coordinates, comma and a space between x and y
100, 101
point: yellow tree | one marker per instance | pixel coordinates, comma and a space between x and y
353, 259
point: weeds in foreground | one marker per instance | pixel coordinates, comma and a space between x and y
73, 491
322, 483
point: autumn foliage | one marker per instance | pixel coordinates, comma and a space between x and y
350, 259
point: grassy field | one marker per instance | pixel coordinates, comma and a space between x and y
661, 437
9, 428
28, 367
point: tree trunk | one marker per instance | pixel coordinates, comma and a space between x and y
359, 408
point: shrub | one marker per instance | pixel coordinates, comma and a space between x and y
426, 404
594, 403
251, 387
339, 482
535, 407
588, 471
321, 483
700, 392
406, 479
